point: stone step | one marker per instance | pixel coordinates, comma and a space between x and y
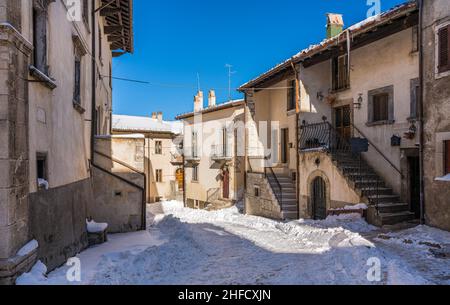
384, 198
372, 183
290, 215
365, 176
289, 208
367, 191
390, 208
394, 218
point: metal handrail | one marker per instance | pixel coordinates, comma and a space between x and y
378, 150
212, 194
324, 136
268, 171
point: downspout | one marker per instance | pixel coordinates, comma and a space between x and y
297, 134
245, 151
421, 114
93, 84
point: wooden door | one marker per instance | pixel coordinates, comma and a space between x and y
285, 146
226, 184
319, 198
343, 121
180, 179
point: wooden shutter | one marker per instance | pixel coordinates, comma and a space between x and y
447, 157
380, 107
444, 49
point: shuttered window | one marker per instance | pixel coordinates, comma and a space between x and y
447, 157
159, 176
381, 107
341, 78
291, 105
444, 49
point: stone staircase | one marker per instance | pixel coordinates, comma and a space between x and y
220, 204
385, 207
288, 194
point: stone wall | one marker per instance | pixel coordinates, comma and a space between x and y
58, 221
264, 205
436, 117
117, 202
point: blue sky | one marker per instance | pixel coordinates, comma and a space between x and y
175, 40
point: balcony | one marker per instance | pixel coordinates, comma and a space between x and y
176, 159
221, 153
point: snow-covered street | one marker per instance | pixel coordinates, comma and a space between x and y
184, 246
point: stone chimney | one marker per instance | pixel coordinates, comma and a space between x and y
198, 102
159, 116
335, 25
212, 98
154, 115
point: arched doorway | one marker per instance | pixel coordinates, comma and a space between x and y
319, 198
180, 179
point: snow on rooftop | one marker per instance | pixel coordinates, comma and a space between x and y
145, 124
354, 27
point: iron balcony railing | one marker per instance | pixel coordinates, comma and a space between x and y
220, 152
323, 136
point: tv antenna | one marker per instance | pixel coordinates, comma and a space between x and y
230, 74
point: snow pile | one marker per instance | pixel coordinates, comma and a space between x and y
37, 275
93, 227
28, 248
43, 183
444, 179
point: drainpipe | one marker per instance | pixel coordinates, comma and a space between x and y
421, 113
93, 84
297, 119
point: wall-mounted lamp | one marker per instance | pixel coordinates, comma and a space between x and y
359, 101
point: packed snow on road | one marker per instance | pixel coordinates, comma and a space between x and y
185, 246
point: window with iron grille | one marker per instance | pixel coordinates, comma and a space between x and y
443, 49
341, 78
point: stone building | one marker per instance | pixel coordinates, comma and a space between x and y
55, 94
340, 124
436, 112
161, 151
214, 153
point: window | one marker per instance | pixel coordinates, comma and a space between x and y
41, 166
40, 39
224, 142
447, 157
257, 191
443, 51
100, 44
194, 145
195, 174
86, 11
292, 96
415, 96
340, 73
381, 106
159, 175
77, 81
415, 39
158, 148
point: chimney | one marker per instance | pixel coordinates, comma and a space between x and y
159, 116
198, 102
335, 25
154, 115
212, 98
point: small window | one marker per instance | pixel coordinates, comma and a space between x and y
415, 96
194, 145
415, 39
380, 107
41, 166
77, 80
224, 142
443, 49
292, 96
158, 148
195, 174
159, 176
447, 157
341, 79
257, 191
